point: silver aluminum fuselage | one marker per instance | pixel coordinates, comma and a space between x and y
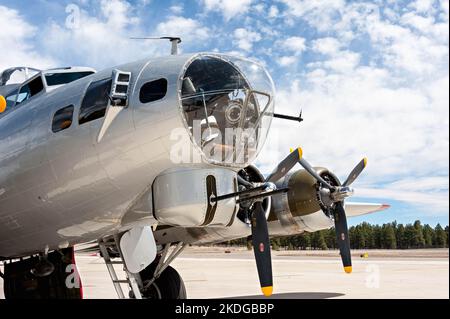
59, 189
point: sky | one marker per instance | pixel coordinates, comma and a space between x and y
372, 77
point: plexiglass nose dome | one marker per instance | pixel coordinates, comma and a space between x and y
227, 104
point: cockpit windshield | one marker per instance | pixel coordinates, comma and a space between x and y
228, 106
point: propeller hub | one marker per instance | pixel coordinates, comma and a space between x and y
269, 187
341, 193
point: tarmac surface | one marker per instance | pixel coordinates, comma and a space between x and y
231, 273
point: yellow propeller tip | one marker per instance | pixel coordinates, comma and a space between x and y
267, 291
365, 161
291, 150
348, 269
300, 153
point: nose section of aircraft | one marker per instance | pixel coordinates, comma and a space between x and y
227, 105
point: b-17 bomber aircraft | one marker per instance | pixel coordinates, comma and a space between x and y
141, 160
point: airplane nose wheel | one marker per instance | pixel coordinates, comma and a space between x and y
161, 281
169, 285
152, 292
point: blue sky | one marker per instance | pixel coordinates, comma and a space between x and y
371, 76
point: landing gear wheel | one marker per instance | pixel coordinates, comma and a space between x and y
168, 286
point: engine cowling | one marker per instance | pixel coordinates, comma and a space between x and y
305, 206
253, 175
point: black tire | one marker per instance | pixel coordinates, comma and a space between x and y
169, 285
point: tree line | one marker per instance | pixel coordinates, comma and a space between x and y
367, 236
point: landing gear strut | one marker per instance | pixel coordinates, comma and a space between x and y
157, 281
160, 281
169, 285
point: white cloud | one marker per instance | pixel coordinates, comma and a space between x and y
422, 6
430, 193
431, 203
259, 7
403, 131
433, 183
418, 22
320, 14
326, 45
336, 59
407, 50
287, 60
295, 44
391, 105
116, 14
103, 40
228, 8
292, 48
177, 9
188, 29
343, 61
273, 11
16, 37
245, 38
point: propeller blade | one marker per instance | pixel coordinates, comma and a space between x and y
261, 248
343, 241
355, 172
313, 173
285, 165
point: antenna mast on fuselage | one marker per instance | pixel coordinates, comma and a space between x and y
173, 40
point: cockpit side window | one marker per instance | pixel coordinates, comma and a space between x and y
64, 78
29, 90
95, 101
153, 91
62, 119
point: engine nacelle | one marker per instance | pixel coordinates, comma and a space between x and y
303, 207
182, 197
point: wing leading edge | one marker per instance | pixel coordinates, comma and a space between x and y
357, 209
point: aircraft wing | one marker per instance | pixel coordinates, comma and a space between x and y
356, 209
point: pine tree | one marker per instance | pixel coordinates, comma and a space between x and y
275, 243
304, 240
377, 236
410, 236
368, 233
322, 243
330, 238
364, 235
390, 241
440, 240
362, 238
400, 236
446, 232
428, 234
419, 240
318, 241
